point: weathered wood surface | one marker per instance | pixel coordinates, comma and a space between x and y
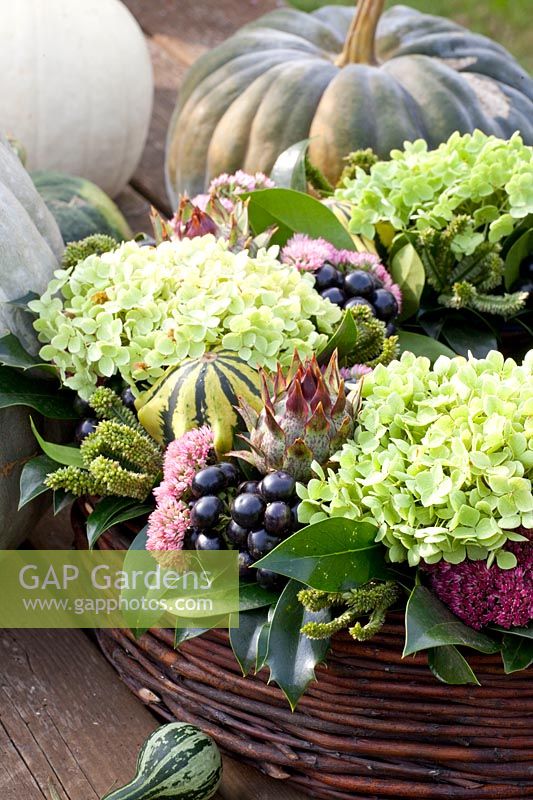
178, 32
67, 722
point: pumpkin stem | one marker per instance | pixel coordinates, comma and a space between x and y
359, 45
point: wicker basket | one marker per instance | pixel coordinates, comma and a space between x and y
372, 726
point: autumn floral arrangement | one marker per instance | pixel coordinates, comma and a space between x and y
244, 381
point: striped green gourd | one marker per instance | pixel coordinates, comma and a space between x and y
177, 762
202, 391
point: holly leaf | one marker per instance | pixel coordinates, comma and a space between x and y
519, 250
61, 454
289, 170
291, 656
295, 212
517, 653
244, 639
429, 623
19, 389
449, 666
251, 596
62, 499
344, 340
408, 272
423, 346
32, 478
333, 555
111, 511
13, 354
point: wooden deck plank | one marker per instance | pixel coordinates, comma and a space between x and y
67, 721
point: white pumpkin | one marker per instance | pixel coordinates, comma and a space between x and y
76, 84
30, 249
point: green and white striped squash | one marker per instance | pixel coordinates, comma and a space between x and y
80, 207
345, 83
177, 762
203, 391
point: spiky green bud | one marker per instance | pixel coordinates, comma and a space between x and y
97, 244
359, 159
74, 480
113, 479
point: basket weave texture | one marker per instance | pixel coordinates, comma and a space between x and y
372, 726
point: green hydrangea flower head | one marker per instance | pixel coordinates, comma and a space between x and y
442, 459
136, 311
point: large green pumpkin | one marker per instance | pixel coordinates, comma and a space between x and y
347, 83
30, 250
80, 207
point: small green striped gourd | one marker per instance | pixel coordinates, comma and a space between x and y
202, 391
177, 762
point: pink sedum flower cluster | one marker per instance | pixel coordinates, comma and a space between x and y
308, 255
481, 595
355, 372
169, 522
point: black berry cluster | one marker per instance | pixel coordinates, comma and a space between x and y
356, 287
89, 422
253, 518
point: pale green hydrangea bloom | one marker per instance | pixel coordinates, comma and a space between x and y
136, 311
442, 459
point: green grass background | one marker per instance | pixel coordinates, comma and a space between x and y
509, 22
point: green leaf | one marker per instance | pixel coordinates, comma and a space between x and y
423, 346
517, 652
19, 389
251, 596
332, 555
291, 656
61, 454
184, 634
464, 336
12, 354
449, 666
32, 478
139, 543
289, 170
111, 511
295, 212
62, 500
525, 632
262, 642
428, 623
408, 272
520, 249
245, 638
344, 340
22, 302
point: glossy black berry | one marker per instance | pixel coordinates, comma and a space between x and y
206, 512
84, 428
250, 487
236, 534
208, 541
128, 399
82, 407
327, 277
278, 518
526, 267
231, 473
334, 295
391, 329
270, 580
360, 301
359, 284
191, 538
260, 543
247, 510
385, 305
278, 486
210, 480
245, 562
